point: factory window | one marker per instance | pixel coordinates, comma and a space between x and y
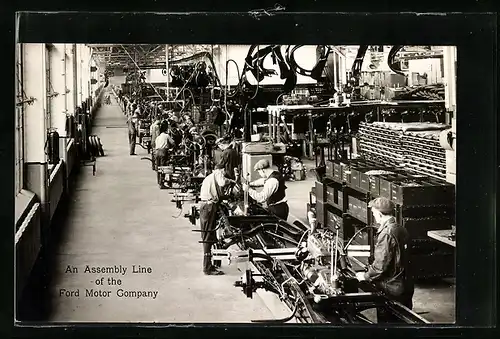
19, 121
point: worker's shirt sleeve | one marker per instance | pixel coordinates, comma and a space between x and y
382, 257
158, 140
220, 178
258, 182
270, 187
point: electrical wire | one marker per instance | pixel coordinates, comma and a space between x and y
239, 78
294, 64
257, 88
354, 236
278, 98
190, 78
305, 232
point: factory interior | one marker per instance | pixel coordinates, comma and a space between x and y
163, 183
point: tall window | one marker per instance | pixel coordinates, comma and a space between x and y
19, 122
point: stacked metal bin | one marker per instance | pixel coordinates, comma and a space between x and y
414, 146
422, 204
423, 153
381, 142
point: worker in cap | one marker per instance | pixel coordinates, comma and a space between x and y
273, 191
389, 270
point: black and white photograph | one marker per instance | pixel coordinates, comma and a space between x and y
227, 183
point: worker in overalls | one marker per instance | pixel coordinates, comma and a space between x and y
162, 145
132, 132
389, 270
211, 193
273, 191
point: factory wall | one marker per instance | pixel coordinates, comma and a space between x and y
430, 68
156, 75
152, 76
52, 81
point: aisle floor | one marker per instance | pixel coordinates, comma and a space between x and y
121, 217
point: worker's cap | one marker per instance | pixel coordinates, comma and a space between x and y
382, 204
261, 164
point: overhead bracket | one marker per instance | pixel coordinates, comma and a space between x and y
28, 101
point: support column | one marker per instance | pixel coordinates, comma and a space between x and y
74, 64
167, 67
94, 75
450, 59
58, 100
35, 128
311, 136
335, 70
70, 80
79, 73
85, 72
58, 115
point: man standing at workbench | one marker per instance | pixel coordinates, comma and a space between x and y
162, 144
211, 193
389, 270
273, 192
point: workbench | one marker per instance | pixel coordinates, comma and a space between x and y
277, 113
443, 236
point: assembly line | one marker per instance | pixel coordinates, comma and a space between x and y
214, 194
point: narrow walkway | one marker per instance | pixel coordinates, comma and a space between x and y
119, 217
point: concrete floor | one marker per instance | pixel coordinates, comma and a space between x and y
120, 217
